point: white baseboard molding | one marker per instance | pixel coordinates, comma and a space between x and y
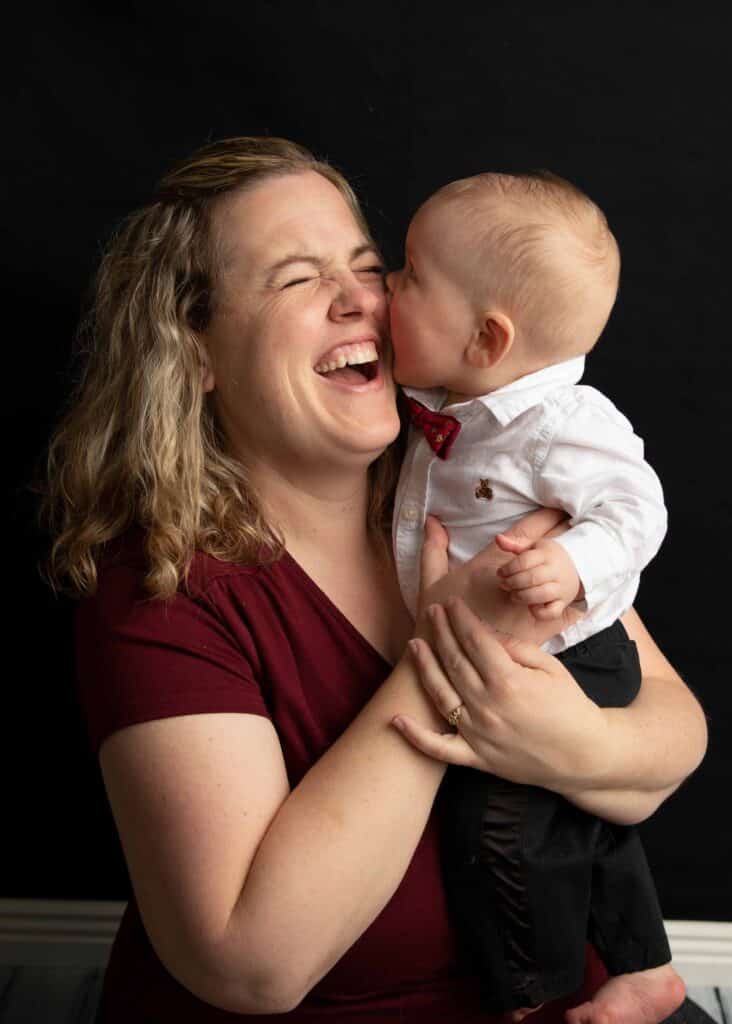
79, 933
702, 951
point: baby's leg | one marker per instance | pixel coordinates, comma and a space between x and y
518, 869
644, 997
626, 923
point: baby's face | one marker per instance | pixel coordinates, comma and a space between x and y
432, 316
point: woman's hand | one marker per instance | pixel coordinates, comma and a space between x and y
523, 716
478, 584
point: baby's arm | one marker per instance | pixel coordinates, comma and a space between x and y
590, 464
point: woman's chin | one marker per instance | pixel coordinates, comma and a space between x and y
370, 438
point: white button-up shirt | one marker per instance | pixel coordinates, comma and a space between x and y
541, 441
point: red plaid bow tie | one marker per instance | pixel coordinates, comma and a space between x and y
441, 431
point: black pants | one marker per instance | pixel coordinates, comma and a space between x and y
530, 878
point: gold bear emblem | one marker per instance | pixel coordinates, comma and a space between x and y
484, 490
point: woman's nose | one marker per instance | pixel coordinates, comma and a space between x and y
391, 282
356, 297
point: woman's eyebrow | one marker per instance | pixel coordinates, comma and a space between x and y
316, 261
361, 250
295, 257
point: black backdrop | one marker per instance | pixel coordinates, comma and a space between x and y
629, 100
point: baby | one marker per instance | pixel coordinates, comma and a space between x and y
508, 282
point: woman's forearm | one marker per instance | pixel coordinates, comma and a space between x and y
659, 740
641, 759
338, 847
647, 749
620, 806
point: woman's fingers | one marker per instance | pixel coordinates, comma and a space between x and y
479, 645
521, 652
433, 560
515, 701
457, 649
448, 747
493, 655
441, 691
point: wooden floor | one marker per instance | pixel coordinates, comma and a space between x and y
65, 995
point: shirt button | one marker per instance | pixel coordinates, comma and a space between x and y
409, 513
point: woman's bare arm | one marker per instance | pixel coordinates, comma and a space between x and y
647, 737
249, 892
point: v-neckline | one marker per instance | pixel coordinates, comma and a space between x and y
335, 610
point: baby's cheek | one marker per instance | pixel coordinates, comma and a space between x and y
393, 326
399, 326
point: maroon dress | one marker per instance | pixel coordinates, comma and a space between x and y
265, 641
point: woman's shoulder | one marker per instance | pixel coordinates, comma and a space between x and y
243, 606
140, 658
124, 563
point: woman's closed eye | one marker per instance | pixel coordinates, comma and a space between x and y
297, 280
375, 270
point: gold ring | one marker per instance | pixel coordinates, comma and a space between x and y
454, 716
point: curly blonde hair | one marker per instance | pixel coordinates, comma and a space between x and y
139, 444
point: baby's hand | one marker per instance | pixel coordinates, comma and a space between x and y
542, 576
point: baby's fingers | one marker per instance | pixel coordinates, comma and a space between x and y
542, 594
546, 612
534, 577
522, 563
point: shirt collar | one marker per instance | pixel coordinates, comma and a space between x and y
510, 401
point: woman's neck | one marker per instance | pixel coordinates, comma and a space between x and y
323, 515
325, 530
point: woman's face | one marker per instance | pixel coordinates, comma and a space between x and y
297, 341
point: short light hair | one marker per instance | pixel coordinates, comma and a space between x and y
140, 443
542, 250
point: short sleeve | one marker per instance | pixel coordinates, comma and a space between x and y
140, 659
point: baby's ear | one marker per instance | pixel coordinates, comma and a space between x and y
492, 341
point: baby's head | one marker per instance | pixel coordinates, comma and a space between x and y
504, 274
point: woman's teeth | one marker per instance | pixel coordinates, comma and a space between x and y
347, 355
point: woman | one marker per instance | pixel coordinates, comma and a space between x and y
219, 490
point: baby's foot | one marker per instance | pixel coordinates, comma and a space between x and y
645, 997
515, 1016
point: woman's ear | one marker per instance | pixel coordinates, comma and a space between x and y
492, 341
207, 375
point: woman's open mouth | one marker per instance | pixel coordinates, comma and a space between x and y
353, 365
